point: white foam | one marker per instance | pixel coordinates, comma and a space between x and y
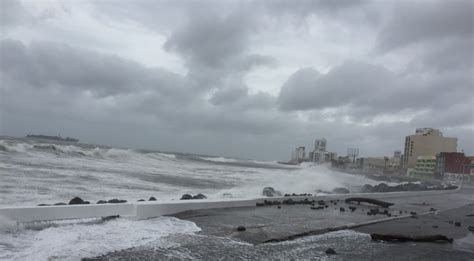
73, 242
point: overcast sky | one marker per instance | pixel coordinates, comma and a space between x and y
249, 79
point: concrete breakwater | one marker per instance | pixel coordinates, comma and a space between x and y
149, 209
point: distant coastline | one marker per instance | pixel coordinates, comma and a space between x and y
55, 138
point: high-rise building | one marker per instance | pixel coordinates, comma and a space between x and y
426, 142
298, 155
452, 163
320, 145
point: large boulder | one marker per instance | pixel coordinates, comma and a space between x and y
382, 187
199, 196
340, 191
367, 188
186, 197
270, 192
77, 201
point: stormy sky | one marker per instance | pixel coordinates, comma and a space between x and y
249, 79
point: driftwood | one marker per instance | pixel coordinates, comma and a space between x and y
403, 238
371, 201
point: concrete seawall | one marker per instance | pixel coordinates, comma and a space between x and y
144, 210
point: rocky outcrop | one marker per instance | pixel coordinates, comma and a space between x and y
115, 201
382, 187
403, 238
271, 192
189, 196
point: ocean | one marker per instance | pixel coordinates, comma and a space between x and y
36, 172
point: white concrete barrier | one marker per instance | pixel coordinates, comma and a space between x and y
148, 209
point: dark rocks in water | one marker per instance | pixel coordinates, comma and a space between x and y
141, 200
77, 201
382, 187
340, 191
270, 192
279, 207
341, 209
152, 199
259, 204
403, 238
330, 251
321, 202
199, 196
371, 201
241, 228
186, 197
43, 205
101, 202
457, 224
289, 202
435, 226
367, 188
317, 208
352, 208
433, 209
108, 218
60, 204
115, 201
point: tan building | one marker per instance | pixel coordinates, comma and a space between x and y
426, 142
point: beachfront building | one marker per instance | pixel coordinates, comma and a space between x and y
380, 165
298, 155
452, 163
426, 142
425, 167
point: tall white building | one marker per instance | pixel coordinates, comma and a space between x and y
320, 145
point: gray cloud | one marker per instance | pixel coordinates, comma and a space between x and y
13, 14
420, 21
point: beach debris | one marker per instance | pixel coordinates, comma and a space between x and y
435, 226
371, 201
317, 208
341, 209
77, 201
403, 238
457, 224
470, 228
340, 190
152, 199
330, 251
101, 202
241, 228
270, 192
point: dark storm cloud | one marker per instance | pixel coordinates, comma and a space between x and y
363, 91
420, 21
44, 64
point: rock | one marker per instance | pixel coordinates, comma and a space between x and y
186, 197
457, 224
433, 209
279, 207
289, 202
330, 251
199, 196
371, 201
43, 205
340, 191
101, 202
403, 238
317, 208
114, 201
259, 204
342, 209
352, 208
470, 228
60, 204
241, 228
435, 226
270, 192
110, 217
367, 188
152, 199
141, 200
382, 187
77, 201
321, 203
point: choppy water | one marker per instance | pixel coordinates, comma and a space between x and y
33, 172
